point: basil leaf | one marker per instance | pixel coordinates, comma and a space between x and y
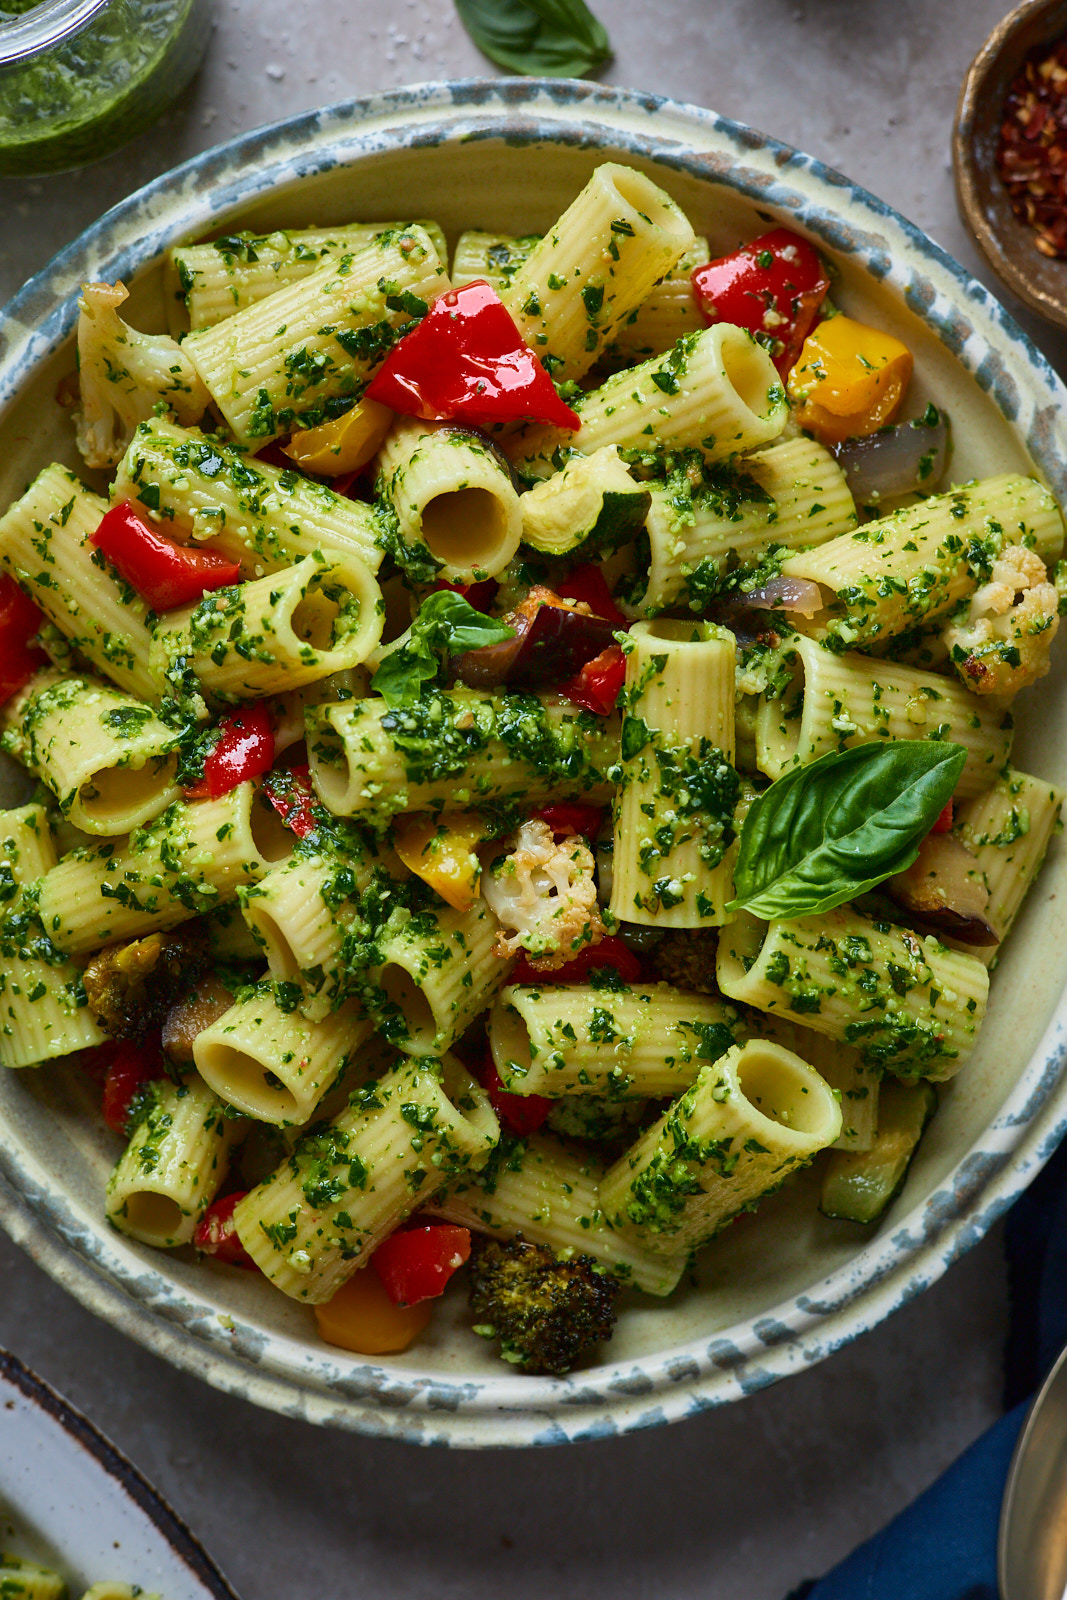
826, 832
537, 38
446, 624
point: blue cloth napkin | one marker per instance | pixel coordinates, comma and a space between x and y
944, 1545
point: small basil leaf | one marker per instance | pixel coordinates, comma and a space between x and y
834, 829
446, 624
537, 38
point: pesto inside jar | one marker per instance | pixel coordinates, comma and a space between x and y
77, 81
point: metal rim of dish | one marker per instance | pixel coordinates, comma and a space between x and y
426, 1406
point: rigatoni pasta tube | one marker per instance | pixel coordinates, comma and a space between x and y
454, 511
269, 1062
917, 563
677, 785
438, 972
25, 1580
792, 494
594, 267
907, 1003
668, 311
273, 634
750, 1119
108, 758
284, 359
174, 1164
550, 1194
352, 1181
715, 392
44, 1012
1008, 830
45, 545
644, 1040
263, 517
591, 501
854, 1081
494, 257
457, 749
837, 701
211, 282
183, 864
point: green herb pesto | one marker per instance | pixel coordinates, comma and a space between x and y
77, 100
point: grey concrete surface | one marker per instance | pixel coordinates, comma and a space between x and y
741, 1504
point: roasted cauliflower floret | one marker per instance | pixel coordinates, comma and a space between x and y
126, 377
999, 640
544, 897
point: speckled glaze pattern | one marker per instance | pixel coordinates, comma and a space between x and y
996, 1129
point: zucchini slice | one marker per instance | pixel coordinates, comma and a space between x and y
859, 1186
592, 502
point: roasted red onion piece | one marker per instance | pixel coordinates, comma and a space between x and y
895, 461
781, 594
550, 648
490, 666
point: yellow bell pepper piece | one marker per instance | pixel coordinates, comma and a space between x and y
440, 851
343, 445
849, 379
362, 1317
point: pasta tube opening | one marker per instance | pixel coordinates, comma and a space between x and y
123, 797
271, 838
778, 1091
745, 364
153, 1218
403, 995
649, 201
465, 527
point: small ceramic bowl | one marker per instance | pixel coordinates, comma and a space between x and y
1007, 244
780, 1289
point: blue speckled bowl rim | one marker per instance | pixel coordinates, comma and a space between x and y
87, 1436
102, 1270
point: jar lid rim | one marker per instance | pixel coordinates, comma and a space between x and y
43, 26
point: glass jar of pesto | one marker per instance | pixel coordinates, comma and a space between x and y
78, 78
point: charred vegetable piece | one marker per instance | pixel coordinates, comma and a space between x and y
192, 1014
545, 1312
859, 1187
945, 891
559, 643
554, 638
686, 958
131, 987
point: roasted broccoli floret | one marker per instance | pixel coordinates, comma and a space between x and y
686, 958
125, 377
546, 1310
131, 987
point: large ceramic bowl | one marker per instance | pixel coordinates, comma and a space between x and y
777, 1291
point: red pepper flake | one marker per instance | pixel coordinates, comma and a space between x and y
1032, 152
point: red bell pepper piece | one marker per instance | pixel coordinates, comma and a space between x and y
587, 582
610, 952
416, 1263
20, 620
773, 286
216, 1233
596, 688
245, 749
466, 360
571, 817
520, 1113
130, 1067
163, 573
290, 793
944, 819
